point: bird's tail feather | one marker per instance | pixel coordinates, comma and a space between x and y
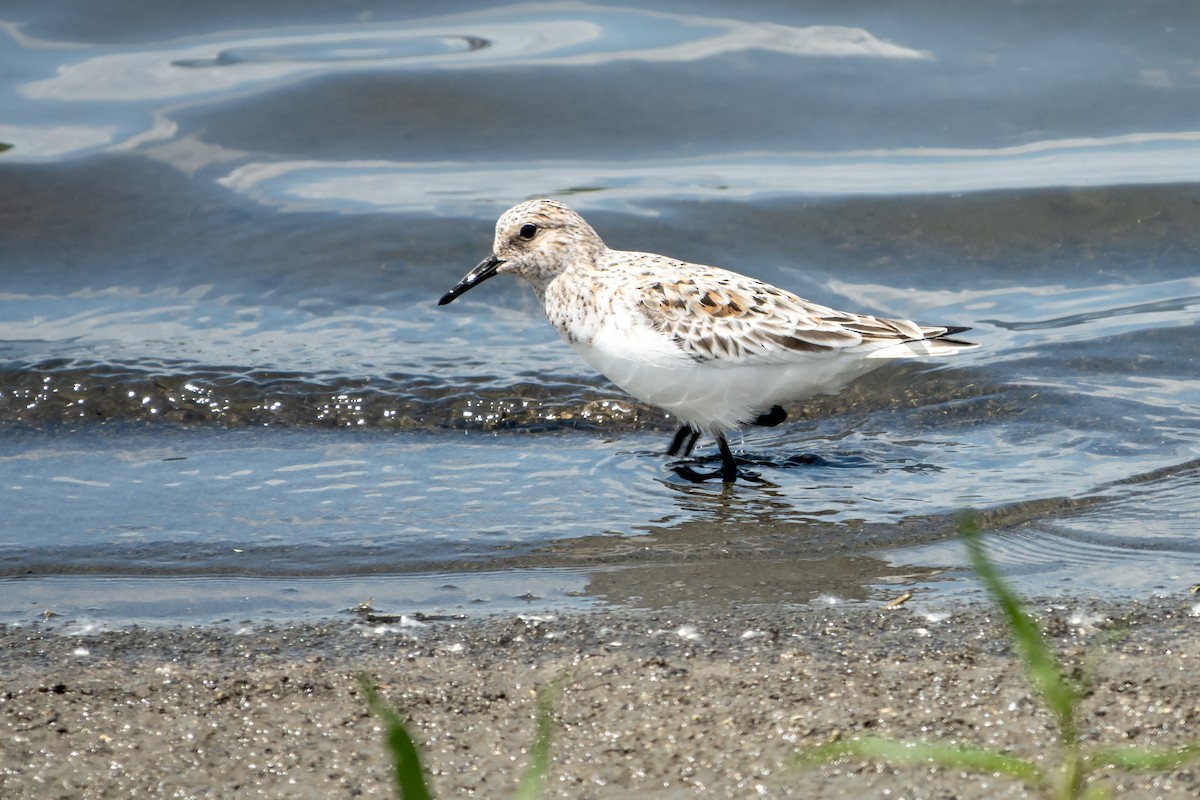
938, 343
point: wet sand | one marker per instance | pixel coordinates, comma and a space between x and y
655, 704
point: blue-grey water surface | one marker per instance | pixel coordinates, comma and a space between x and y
226, 390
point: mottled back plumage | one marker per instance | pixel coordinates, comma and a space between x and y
716, 315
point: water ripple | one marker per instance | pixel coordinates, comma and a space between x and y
359, 51
577, 35
468, 188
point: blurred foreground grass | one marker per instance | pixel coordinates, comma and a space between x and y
410, 778
1067, 780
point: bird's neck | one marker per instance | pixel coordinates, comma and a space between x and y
575, 303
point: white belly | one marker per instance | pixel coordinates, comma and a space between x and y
715, 394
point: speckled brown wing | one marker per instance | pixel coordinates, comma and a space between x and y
719, 316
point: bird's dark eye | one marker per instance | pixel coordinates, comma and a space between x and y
528, 231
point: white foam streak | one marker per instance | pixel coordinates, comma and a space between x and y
458, 188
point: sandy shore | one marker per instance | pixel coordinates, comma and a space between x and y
654, 704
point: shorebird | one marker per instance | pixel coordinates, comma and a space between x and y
713, 348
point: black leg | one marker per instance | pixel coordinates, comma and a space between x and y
680, 437
769, 419
728, 465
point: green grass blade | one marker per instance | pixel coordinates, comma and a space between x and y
944, 755
534, 777
1041, 666
1096, 791
1144, 759
410, 781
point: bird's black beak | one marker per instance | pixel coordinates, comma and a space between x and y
485, 269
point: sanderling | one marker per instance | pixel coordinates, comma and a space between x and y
714, 348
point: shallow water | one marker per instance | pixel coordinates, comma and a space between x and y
226, 392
